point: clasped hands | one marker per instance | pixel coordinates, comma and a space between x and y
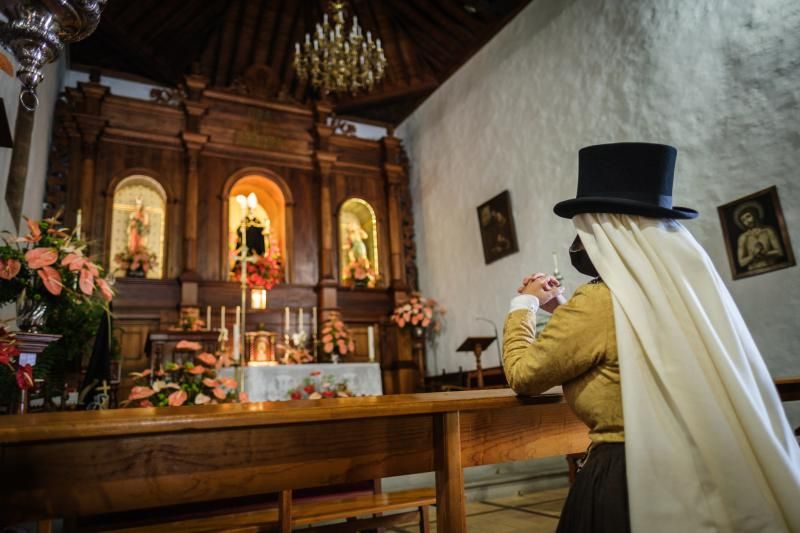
545, 288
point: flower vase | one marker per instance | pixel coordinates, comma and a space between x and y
31, 314
138, 273
418, 332
335, 358
360, 283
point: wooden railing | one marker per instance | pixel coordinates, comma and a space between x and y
77, 464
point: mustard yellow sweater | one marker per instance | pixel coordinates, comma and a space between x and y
577, 349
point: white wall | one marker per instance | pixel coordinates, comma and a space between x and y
719, 79
40, 141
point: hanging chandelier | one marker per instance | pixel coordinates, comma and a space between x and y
338, 61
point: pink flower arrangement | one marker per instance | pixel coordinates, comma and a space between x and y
51, 258
187, 384
360, 273
141, 260
335, 337
419, 312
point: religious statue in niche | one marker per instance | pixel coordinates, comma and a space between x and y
138, 227
358, 244
265, 268
756, 237
137, 260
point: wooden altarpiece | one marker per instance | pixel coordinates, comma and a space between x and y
196, 143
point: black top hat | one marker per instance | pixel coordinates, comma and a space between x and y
628, 178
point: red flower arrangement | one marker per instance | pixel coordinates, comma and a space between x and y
419, 312
8, 357
174, 385
336, 339
316, 387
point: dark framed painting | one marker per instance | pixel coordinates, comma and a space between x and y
755, 234
496, 222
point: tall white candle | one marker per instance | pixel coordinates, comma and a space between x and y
371, 342
314, 321
78, 221
208, 318
286, 320
555, 262
300, 319
222, 318
236, 341
238, 316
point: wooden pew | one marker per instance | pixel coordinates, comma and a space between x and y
79, 464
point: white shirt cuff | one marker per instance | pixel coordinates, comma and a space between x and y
524, 301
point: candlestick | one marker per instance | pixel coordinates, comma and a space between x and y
238, 316
371, 343
286, 320
300, 319
222, 318
208, 318
314, 321
78, 219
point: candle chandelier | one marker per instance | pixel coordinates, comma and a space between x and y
336, 60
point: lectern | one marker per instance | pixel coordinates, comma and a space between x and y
477, 345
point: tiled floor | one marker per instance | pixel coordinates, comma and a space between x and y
536, 512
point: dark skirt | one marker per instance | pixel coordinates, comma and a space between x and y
598, 500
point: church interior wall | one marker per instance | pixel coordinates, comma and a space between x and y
717, 79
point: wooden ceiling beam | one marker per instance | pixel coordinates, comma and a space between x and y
113, 37
284, 50
434, 10
386, 94
397, 69
247, 31
440, 60
271, 57
296, 36
434, 32
264, 34
227, 44
455, 9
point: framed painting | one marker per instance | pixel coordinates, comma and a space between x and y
496, 222
755, 234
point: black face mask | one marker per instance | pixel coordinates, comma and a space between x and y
580, 259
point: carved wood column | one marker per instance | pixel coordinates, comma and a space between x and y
395, 176
325, 162
194, 143
90, 128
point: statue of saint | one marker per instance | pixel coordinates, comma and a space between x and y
138, 228
356, 247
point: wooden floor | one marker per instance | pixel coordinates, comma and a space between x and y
536, 512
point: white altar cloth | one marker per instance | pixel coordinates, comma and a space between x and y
273, 383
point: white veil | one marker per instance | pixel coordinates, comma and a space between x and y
708, 446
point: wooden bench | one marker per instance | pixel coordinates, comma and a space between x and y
360, 512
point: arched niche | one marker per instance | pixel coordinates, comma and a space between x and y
358, 237
273, 209
138, 206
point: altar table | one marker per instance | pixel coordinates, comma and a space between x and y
85, 463
273, 383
